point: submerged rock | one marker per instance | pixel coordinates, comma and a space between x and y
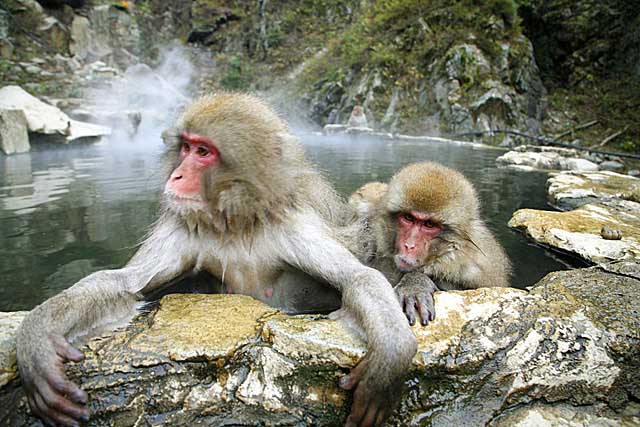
493, 356
604, 224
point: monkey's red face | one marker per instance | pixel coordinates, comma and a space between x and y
416, 230
197, 154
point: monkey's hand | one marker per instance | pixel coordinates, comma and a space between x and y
378, 381
415, 293
51, 395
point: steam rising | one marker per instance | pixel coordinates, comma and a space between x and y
143, 102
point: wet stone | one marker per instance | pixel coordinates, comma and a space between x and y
492, 357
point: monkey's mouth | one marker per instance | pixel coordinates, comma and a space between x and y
194, 201
404, 264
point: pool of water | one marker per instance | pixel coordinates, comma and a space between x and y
68, 211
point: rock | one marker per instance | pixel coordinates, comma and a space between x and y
46, 119
57, 34
578, 231
576, 164
493, 356
612, 165
41, 117
634, 172
82, 130
568, 190
546, 158
530, 160
32, 6
564, 152
80, 37
4, 24
14, 137
600, 201
32, 69
9, 323
333, 129
115, 35
6, 49
563, 415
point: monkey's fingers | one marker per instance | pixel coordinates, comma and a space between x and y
66, 350
427, 309
59, 405
358, 408
370, 417
61, 384
348, 382
409, 305
38, 408
55, 410
367, 410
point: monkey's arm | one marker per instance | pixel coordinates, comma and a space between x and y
103, 300
369, 298
415, 293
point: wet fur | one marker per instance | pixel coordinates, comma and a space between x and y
266, 217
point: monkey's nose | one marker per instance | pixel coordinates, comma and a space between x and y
175, 177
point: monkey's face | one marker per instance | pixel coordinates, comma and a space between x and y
197, 154
416, 235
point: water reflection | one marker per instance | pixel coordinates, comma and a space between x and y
67, 212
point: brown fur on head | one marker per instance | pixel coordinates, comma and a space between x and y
366, 198
254, 183
432, 188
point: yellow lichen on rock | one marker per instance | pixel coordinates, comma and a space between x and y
579, 230
198, 326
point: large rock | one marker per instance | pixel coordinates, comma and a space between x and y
46, 119
580, 231
80, 45
14, 137
530, 157
570, 190
495, 357
604, 224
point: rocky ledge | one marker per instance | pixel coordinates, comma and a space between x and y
567, 350
602, 218
535, 157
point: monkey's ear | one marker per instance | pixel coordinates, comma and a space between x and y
170, 136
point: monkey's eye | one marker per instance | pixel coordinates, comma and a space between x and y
184, 147
202, 151
407, 217
429, 224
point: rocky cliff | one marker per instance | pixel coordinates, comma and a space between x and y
417, 67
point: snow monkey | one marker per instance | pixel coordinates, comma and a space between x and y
357, 118
425, 234
241, 202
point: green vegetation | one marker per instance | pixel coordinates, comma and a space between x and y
403, 40
613, 102
235, 79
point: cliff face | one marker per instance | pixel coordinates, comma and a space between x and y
430, 67
418, 67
